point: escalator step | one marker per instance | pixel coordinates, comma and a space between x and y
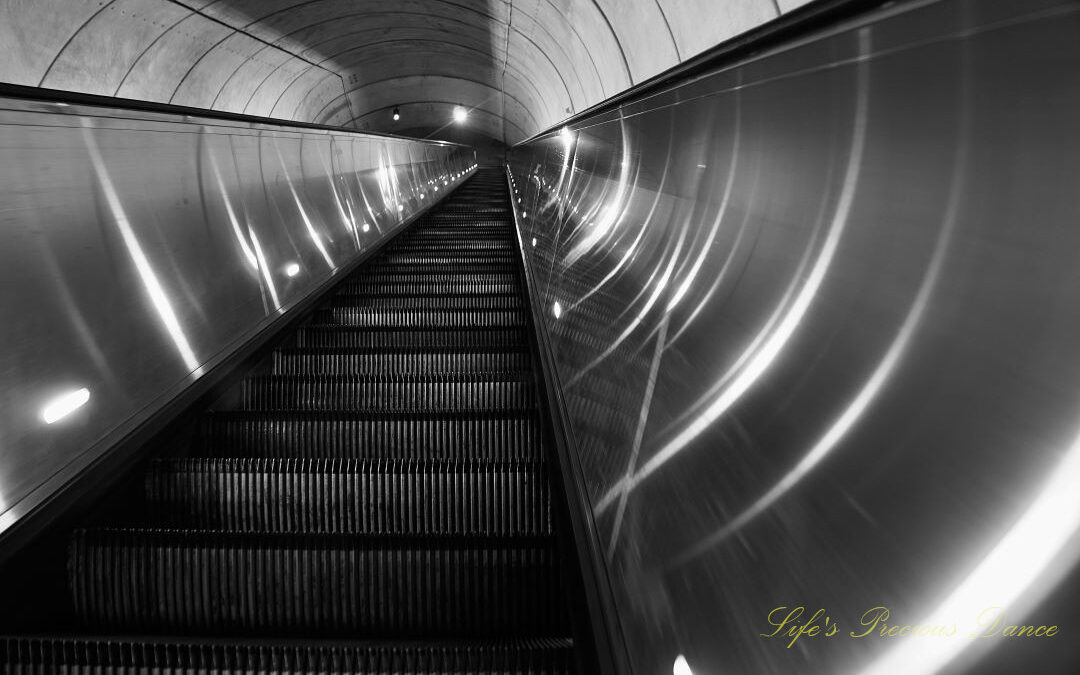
233, 583
413, 261
474, 303
355, 361
419, 318
432, 391
125, 656
501, 436
450, 285
353, 337
350, 496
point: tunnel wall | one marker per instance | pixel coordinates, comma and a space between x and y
141, 249
520, 67
165, 52
813, 319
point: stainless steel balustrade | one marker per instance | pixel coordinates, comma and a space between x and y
816, 321
140, 248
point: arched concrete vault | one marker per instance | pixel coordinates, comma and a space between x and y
520, 65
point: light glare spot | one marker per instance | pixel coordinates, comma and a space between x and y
681, 667
64, 404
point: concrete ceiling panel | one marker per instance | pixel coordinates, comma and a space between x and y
524, 65
102, 51
699, 24
160, 69
33, 32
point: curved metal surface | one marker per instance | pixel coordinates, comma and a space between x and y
814, 316
140, 248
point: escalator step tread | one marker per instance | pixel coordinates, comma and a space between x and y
131, 655
419, 318
397, 496
390, 391
433, 361
355, 337
497, 435
222, 583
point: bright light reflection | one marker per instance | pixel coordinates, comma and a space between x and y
142, 263
315, 238
267, 277
1018, 560
248, 253
556, 309
64, 404
292, 269
366, 227
767, 353
681, 667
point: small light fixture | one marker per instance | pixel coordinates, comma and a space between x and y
64, 404
292, 269
460, 114
397, 114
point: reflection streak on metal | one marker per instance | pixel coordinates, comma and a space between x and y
639, 432
877, 380
610, 214
773, 345
315, 238
721, 212
142, 263
633, 250
1032, 546
233, 221
268, 277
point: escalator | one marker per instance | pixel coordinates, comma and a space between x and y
374, 497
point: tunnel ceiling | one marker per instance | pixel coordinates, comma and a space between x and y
519, 66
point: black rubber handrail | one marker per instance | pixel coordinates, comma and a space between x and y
18, 91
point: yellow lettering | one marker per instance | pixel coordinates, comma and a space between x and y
871, 618
793, 614
995, 615
905, 630
1051, 631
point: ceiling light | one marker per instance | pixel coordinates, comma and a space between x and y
460, 114
397, 114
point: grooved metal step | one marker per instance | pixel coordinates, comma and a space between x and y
355, 337
431, 391
387, 496
496, 435
420, 318
233, 583
474, 303
139, 656
406, 362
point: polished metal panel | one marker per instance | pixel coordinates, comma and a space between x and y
140, 248
816, 320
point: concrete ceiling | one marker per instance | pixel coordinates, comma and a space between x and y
519, 66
